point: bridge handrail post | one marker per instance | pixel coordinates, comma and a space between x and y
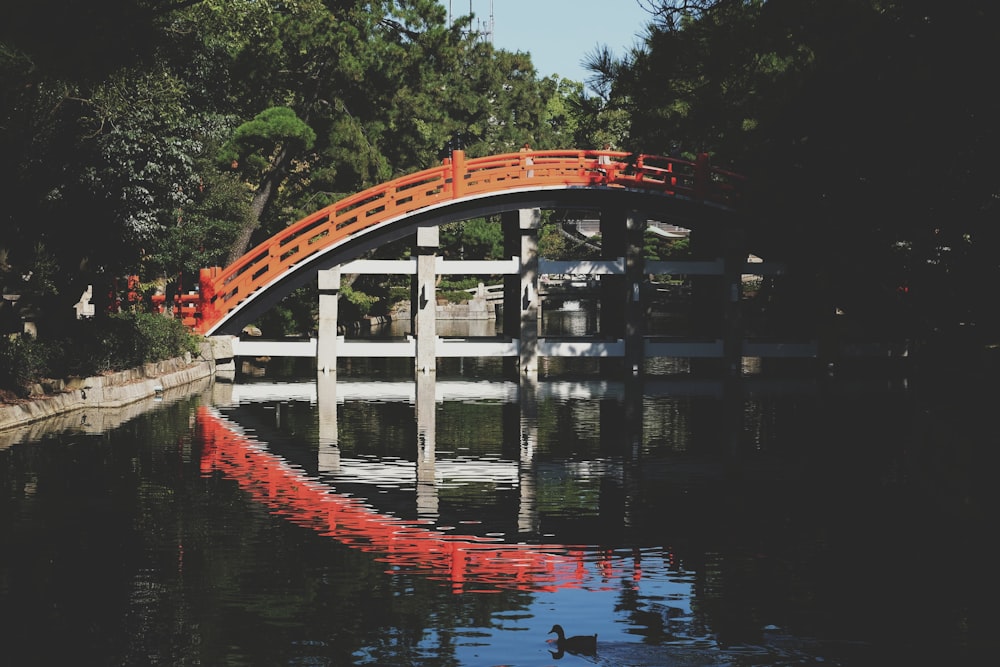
702, 174
457, 173
206, 296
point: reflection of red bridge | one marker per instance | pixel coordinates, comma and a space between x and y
461, 560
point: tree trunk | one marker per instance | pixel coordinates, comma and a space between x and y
261, 198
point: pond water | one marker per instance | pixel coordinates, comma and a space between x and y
284, 519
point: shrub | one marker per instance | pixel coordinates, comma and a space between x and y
158, 337
454, 296
357, 302
454, 283
23, 360
398, 293
94, 346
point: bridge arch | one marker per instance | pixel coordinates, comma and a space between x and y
688, 193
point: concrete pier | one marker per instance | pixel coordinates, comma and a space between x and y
329, 295
426, 305
715, 343
528, 304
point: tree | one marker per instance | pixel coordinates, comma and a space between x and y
264, 149
119, 158
95, 143
858, 118
477, 238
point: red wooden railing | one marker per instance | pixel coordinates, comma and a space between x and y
221, 290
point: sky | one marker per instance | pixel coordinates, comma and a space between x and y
558, 33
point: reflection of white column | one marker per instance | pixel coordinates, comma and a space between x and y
222, 392
633, 414
527, 512
531, 309
329, 443
427, 497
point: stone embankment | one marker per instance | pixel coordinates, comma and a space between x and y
115, 390
476, 308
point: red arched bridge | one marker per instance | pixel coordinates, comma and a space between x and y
460, 188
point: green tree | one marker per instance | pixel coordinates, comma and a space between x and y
265, 148
857, 119
478, 238
117, 147
95, 142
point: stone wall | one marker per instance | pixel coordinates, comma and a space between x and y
477, 308
115, 390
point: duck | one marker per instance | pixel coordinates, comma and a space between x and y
580, 644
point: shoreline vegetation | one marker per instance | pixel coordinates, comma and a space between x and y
106, 362
38, 363
117, 389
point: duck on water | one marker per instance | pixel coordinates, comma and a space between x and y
579, 644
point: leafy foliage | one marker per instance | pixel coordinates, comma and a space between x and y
93, 346
207, 126
657, 248
295, 315
477, 238
169, 136
255, 141
23, 360
358, 302
862, 126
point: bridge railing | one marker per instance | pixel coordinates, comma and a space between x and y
221, 290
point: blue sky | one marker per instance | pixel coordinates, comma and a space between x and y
558, 33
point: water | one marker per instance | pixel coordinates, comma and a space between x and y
771, 520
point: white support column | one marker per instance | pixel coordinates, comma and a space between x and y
326, 342
529, 221
635, 311
614, 290
511, 326
426, 306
